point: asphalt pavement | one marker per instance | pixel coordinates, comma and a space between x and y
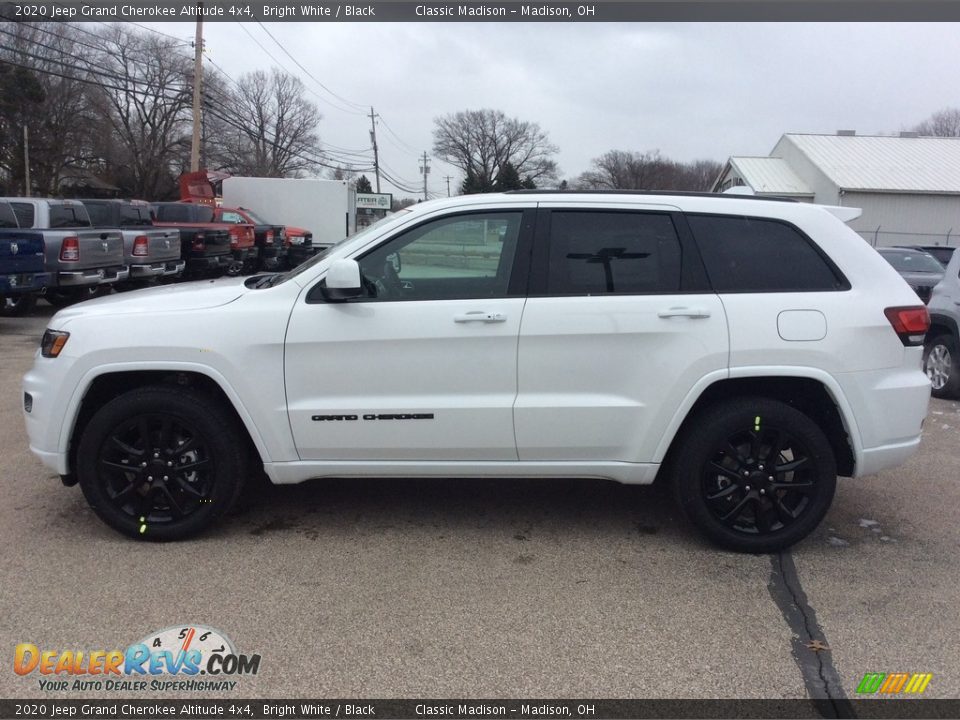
493, 588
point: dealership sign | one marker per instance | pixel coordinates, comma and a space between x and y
374, 201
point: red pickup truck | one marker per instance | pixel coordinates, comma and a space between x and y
191, 217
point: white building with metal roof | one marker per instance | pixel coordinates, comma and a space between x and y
908, 187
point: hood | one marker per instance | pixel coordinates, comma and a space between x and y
198, 295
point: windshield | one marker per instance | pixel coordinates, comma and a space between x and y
913, 261
306, 265
257, 219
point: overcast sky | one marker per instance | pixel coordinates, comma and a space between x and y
691, 90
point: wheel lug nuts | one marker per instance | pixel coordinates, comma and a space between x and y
746, 473
143, 464
770, 478
150, 478
156, 454
169, 463
165, 478
760, 467
763, 492
747, 488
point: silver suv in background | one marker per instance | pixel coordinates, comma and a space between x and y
941, 352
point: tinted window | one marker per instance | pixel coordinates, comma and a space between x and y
24, 212
134, 215
8, 218
68, 216
466, 256
99, 214
598, 253
759, 255
183, 212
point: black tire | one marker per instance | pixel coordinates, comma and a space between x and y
721, 475
941, 362
186, 460
63, 298
17, 305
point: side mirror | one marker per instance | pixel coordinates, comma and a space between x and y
342, 281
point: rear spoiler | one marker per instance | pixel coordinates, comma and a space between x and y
844, 213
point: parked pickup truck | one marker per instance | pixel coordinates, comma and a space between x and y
22, 269
150, 252
270, 238
204, 245
81, 260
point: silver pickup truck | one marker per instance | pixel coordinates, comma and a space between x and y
81, 260
150, 252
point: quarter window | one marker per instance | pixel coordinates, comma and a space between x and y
744, 254
604, 253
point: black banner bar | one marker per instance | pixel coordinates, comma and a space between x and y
472, 11
117, 709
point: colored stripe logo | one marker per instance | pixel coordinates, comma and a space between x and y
894, 683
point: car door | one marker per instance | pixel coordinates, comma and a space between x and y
619, 326
423, 366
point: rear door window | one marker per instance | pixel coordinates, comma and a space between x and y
612, 253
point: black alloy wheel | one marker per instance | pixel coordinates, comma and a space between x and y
160, 463
755, 475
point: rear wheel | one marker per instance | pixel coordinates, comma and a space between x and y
17, 305
161, 463
754, 475
941, 362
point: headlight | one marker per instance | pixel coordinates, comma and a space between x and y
53, 343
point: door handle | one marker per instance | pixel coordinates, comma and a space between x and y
480, 316
686, 312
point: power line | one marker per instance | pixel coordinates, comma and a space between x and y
309, 74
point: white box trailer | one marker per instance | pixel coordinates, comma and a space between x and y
326, 208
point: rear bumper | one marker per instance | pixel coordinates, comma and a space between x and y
15, 283
209, 262
92, 276
157, 269
890, 407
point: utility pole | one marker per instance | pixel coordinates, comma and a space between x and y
448, 178
26, 162
373, 139
425, 169
197, 81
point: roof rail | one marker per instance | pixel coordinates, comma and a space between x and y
654, 193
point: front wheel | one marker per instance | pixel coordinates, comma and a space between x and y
754, 475
941, 362
161, 463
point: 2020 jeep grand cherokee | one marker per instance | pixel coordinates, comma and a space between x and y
746, 351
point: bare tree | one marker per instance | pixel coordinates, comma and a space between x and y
626, 170
943, 123
47, 91
146, 105
483, 143
263, 126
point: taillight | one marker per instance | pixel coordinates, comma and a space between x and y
909, 323
269, 237
70, 249
141, 246
198, 242
235, 236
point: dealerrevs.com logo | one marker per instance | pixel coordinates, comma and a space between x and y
172, 659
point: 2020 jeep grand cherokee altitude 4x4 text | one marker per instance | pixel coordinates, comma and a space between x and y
746, 351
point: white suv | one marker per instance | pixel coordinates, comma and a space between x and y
744, 350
